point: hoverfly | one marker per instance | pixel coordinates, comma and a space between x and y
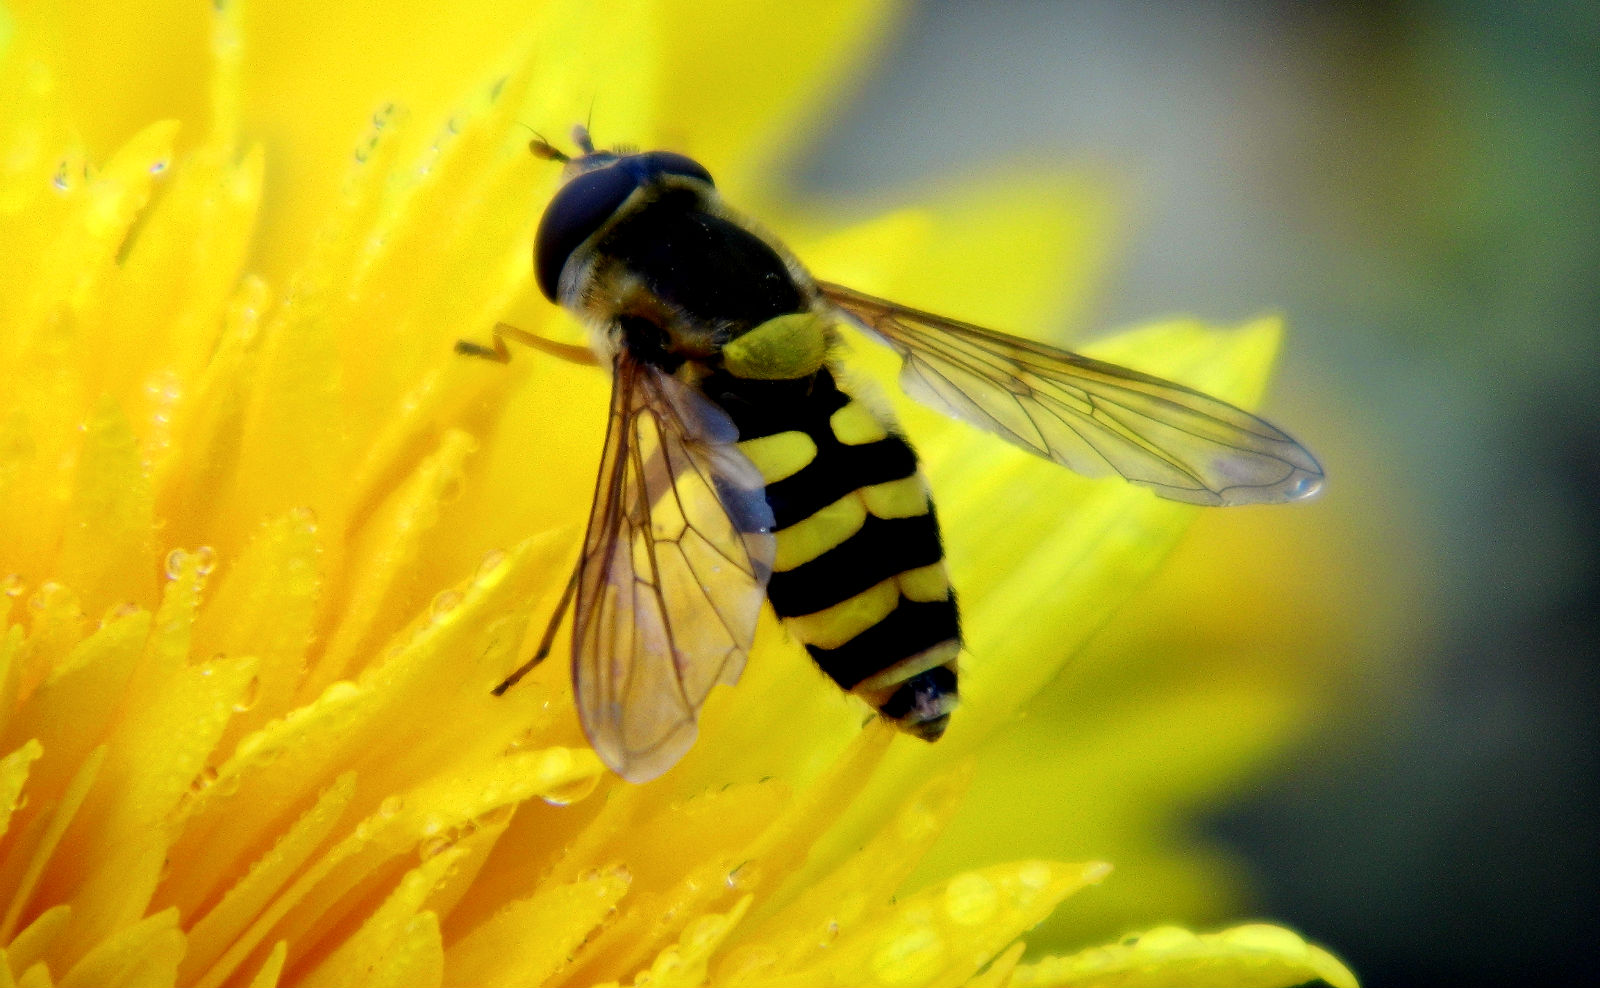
737, 466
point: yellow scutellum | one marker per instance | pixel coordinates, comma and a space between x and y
267, 546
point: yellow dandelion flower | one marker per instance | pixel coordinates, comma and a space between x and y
267, 543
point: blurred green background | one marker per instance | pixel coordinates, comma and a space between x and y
1415, 186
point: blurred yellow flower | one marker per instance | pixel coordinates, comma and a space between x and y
266, 542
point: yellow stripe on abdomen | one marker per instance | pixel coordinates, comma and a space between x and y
780, 455
804, 541
836, 625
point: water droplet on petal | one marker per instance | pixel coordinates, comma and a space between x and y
830, 933
745, 876
247, 699
41, 597
204, 780
492, 562
570, 792
445, 602
526, 739
1035, 876
971, 899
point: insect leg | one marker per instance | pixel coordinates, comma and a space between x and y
544, 643
501, 354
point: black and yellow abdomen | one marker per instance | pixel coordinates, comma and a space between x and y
859, 575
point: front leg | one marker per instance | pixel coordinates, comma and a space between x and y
501, 354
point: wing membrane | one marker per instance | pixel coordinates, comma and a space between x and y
1094, 417
675, 563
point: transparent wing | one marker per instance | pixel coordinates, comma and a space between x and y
675, 565
1094, 417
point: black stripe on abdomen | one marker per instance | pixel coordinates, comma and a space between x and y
881, 549
835, 471
910, 628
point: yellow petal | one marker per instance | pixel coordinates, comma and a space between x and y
861, 886
13, 773
500, 952
1253, 956
145, 953
265, 605
745, 79
399, 944
998, 973
29, 946
32, 851
212, 932
152, 760
945, 934
272, 968
108, 545
683, 965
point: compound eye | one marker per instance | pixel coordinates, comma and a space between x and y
579, 208
672, 163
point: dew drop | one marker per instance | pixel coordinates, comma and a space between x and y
523, 741
1034, 876
391, 807
205, 560
971, 899
203, 781
62, 180
122, 610
493, 561
41, 597
435, 846
247, 699
830, 933
744, 876
158, 166
500, 816
445, 602
177, 560
570, 792
912, 957
13, 585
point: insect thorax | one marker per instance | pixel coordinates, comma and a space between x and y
672, 278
